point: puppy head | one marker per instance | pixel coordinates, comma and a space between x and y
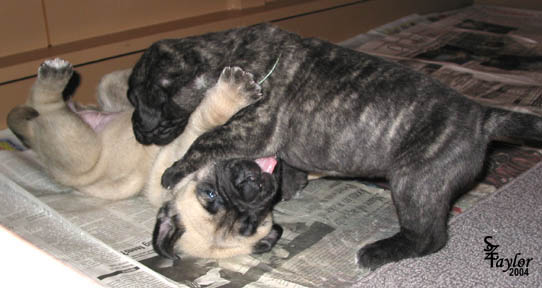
223, 211
163, 88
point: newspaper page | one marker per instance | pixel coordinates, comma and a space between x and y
70, 226
384, 30
472, 39
326, 223
27, 216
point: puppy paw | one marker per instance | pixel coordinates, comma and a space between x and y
171, 177
242, 82
373, 256
55, 73
388, 250
17, 121
22, 114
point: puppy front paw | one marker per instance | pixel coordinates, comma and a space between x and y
242, 82
171, 177
55, 73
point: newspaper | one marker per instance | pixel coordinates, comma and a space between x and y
471, 40
71, 229
385, 30
324, 226
326, 223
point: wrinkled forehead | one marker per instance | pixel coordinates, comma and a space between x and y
186, 202
175, 58
189, 184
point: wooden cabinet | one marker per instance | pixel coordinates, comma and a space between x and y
22, 26
100, 36
101, 17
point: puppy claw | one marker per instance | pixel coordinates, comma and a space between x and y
242, 81
55, 72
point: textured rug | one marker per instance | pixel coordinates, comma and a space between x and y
494, 244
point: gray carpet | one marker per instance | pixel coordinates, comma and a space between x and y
512, 216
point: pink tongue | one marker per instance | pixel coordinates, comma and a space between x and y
267, 164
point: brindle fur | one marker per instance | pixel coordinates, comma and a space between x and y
329, 110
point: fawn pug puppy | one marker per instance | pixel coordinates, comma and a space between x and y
329, 110
95, 152
221, 211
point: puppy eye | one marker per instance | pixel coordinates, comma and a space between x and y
208, 192
211, 194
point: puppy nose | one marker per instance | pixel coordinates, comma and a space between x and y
249, 194
146, 119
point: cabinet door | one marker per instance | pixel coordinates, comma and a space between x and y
23, 26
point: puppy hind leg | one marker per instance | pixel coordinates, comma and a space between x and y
60, 137
422, 197
53, 76
45, 95
423, 212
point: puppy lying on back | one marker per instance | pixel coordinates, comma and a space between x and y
94, 150
221, 211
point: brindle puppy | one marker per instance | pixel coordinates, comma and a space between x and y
333, 111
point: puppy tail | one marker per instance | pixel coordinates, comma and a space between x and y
19, 123
516, 123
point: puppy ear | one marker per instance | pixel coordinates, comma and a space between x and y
166, 232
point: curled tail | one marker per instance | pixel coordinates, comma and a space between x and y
517, 123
